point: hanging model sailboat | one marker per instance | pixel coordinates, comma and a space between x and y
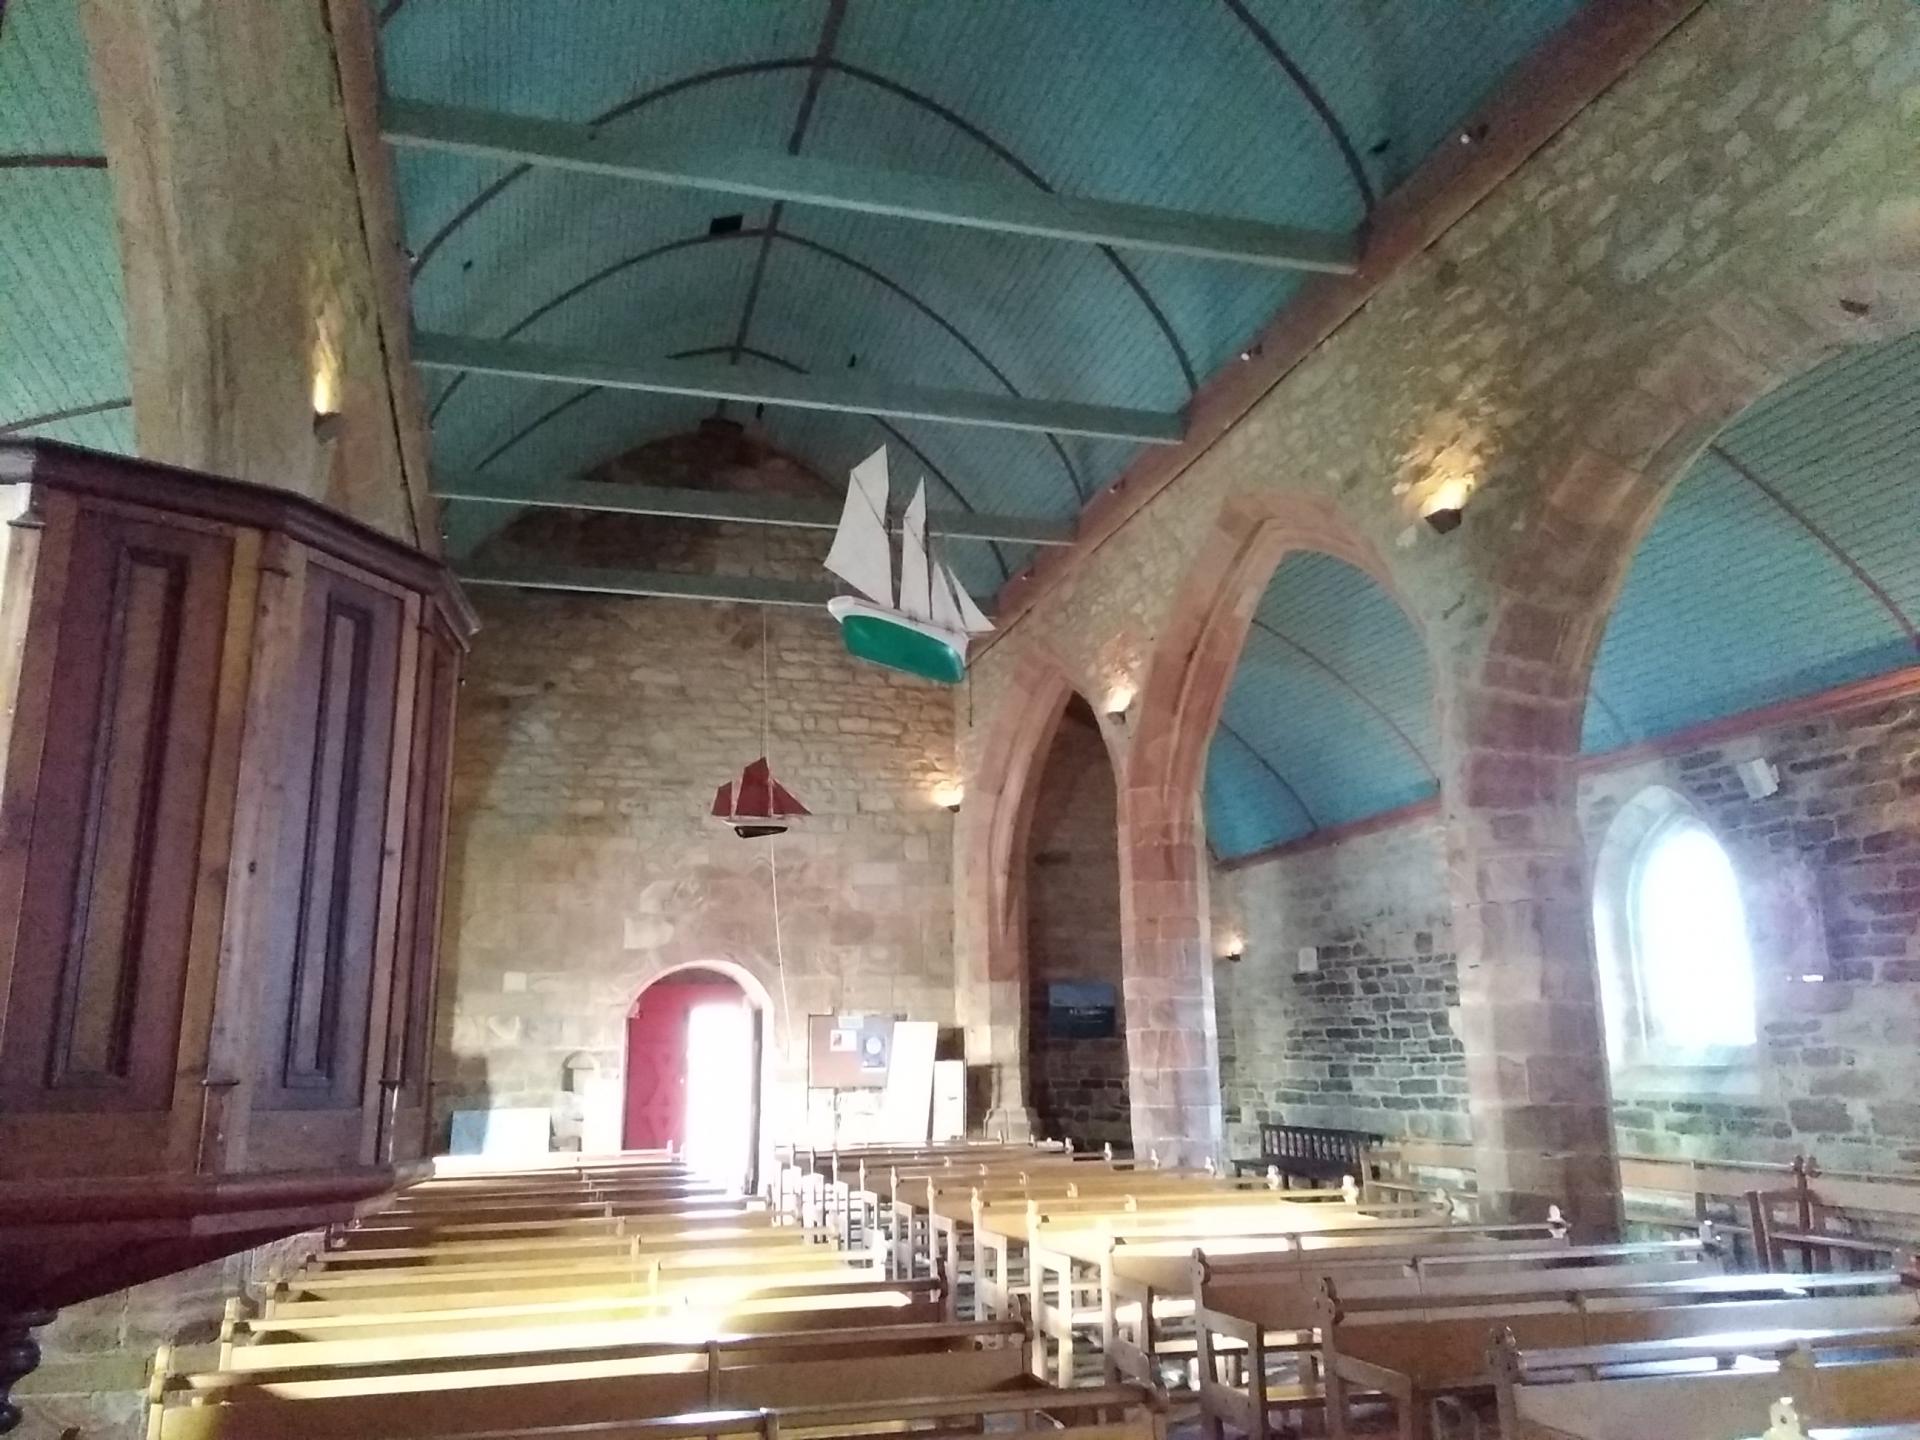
923, 628
757, 804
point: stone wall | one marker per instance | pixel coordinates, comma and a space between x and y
1732, 210
1079, 1086
592, 735
1366, 1042
1838, 1068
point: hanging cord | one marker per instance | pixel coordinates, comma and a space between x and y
773, 841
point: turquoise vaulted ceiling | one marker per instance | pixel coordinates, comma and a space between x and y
1302, 112
63, 351
1786, 561
1329, 718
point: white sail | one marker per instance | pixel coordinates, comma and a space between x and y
861, 554
916, 590
971, 620
946, 609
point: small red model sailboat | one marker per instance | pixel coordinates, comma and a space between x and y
757, 804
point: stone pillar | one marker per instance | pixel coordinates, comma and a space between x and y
1173, 1052
1538, 1088
263, 278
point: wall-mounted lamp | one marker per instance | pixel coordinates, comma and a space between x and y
1446, 505
1235, 949
326, 402
1120, 700
948, 796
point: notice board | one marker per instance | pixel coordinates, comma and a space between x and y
849, 1052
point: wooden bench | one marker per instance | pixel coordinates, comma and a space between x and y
1311, 1152
381, 1230
1032, 1414
652, 1268
1424, 1344
483, 1393
1719, 1387
270, 1323
1251, 1309
620, 1243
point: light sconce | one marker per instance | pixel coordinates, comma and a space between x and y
1235, 951
326, 402
1120, 700
1445, 506
948, 796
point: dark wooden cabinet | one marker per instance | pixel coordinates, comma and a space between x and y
224, 747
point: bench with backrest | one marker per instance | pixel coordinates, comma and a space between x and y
285, 1299
382, 1231
1431, 1341
490, 1392
1311, 1152
1149, 1278
1107, 1413
1718, 1387
619, 1243
653, 1268
274, 1323
421, 1338
1253, 1312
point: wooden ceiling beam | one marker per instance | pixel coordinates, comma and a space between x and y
720, 505
805, 180
845, 392
596, 580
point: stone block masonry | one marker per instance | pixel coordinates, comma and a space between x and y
592, 735
1366, 1042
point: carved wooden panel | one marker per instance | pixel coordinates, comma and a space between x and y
417, 950
118, 801
326, 884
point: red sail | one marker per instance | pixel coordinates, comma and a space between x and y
756, 784
784, 802
723, 800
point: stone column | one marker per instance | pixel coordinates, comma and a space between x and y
264, 285
1538, 1087
1173, 1052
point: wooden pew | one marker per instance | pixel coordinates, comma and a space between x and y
745, 1308
487, 1393
617, 1246
286, 1301
656, 1269
1034, 1414
544, 1334
1250, 1308
381, 1231
1151, 1276
1720, 1387
1421, 1346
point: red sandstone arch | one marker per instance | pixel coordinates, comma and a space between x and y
990, 900
1537, 1074
1172, 1047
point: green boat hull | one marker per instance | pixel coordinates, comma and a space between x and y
903, 648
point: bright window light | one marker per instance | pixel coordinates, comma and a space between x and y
720, 1091
1688, 924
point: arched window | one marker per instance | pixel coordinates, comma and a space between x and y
1671, 929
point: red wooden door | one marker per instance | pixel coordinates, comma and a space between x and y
656, 1113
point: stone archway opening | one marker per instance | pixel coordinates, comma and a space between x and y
694, 1073
1076, 1051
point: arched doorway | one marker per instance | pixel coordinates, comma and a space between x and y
1076, 1037
693, 1073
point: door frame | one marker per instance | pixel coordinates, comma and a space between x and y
765, 1014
